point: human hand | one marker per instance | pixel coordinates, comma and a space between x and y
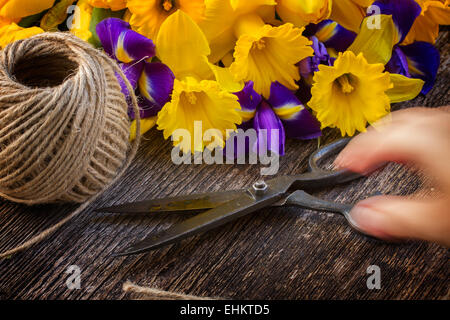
417, 136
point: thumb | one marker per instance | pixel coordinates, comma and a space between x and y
391, 217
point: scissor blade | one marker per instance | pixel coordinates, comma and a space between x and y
206, 221
191, 202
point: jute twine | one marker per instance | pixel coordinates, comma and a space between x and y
64, 129
149, 293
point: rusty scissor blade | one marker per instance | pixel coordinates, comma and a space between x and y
200, 201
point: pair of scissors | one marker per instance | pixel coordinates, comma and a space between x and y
227, 206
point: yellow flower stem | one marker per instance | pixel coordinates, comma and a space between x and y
248, 24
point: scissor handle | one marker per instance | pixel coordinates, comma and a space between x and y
324, 152
319, 178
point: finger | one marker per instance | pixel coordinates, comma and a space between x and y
405, 143
391, 217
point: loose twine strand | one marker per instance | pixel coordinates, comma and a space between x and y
157, 294
64, 128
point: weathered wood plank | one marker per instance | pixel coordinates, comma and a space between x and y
273, 254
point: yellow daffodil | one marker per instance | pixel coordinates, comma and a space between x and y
12, 32
220, 19
262, 53
202, 92
11, 12
80, 28
265, 54
301, 13
356, 90
350, 93
146, 16
17, 9
349, 13
114, 5
426, 26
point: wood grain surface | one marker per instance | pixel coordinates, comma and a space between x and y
280, 253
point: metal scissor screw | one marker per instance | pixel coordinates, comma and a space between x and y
260, 187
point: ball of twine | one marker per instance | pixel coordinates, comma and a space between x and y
64, 129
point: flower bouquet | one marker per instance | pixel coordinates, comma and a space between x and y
285, 66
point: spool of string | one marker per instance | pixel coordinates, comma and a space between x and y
64, 129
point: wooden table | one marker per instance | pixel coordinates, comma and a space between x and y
284, 253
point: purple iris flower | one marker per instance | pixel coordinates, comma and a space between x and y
331, 34
326, 35
309, 65
418, 60
274, 119
133, 52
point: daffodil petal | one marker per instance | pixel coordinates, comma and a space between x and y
332, 34
403, 12
12, 32
146, 125
183, 47
249, 100
376, 43
81, 26
245, 6
297, 120
14, 9
226, 79
122, 43
155, 86
301, 13
270, 131
423, 62
404, 88
348, 14
114, 5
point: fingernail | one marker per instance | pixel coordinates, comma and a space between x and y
339, 163
369, 221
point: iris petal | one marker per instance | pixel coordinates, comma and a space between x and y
109, 31
404, 13
332, 34
155, 85
132, 46
423, 62
270, 131
122, 43
249, 100
398, 63
309, 65
132, 71
297, 120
